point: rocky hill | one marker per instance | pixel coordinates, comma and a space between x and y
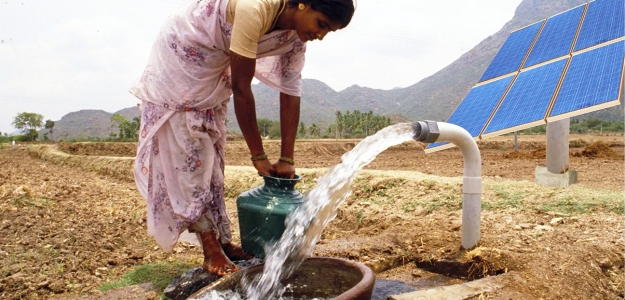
88, 123
433, 98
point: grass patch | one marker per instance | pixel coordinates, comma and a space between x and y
509, 198
379, 190
159, 274
452, 202
571, 204
569, 200
360, 216
28, 201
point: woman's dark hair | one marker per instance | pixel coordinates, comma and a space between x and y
340, 11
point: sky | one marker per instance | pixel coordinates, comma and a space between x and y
63, 56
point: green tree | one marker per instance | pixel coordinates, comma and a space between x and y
301, 132
593, 122
127, 130
264, 125
50, 126
28, 122
275, 131
314, 130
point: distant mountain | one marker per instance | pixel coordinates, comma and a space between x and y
88, 123
433, 98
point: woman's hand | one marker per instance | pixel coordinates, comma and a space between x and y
284, 170
265, 167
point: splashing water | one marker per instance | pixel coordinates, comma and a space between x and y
305, 225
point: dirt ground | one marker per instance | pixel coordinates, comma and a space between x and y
66, 230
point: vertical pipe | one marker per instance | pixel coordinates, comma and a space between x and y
471, 181
558, 146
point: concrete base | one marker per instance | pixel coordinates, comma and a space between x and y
545, 178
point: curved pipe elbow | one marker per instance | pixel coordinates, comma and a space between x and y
430, 132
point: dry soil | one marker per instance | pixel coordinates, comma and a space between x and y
67, 229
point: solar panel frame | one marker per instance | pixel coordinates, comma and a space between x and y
603, 22
508, 60
591, 85
489, 96
538, 85
557, 37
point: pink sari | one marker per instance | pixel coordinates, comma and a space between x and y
184, 92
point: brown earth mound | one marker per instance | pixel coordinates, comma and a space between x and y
99, 149
598, 150
534, 154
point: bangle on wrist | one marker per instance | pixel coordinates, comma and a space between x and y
287, 160
260, 157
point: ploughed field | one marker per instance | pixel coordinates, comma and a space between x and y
72, 220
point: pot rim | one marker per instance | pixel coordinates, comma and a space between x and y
365, 284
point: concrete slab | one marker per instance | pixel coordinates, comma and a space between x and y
545, 178
458, 291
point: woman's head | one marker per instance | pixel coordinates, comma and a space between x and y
313, 19
340, 11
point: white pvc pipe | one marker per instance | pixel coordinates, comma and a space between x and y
471, 181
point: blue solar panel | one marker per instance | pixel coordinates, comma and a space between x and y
477, 106
556, 38
603, 22
512, 53
528, 98
593, 78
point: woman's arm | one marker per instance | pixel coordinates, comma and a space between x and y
289, 120
245, 109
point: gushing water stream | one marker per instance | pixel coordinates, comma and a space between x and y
305, 225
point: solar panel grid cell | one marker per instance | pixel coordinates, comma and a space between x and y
556, 38
477, 107
512, 53
593, 78
528, 98
604, 21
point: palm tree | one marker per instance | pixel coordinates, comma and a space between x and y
302, 130
314, 130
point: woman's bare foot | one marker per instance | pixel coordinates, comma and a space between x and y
215, 260
235, 252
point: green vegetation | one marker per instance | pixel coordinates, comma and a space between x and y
128, 131
378, 190
269, 128
312, 131
594, 125
572, 200
50, 127
356, 124
581, 205
587, 126
160, 274
28, 122
26, 201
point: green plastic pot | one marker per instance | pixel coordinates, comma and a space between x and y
263, 210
